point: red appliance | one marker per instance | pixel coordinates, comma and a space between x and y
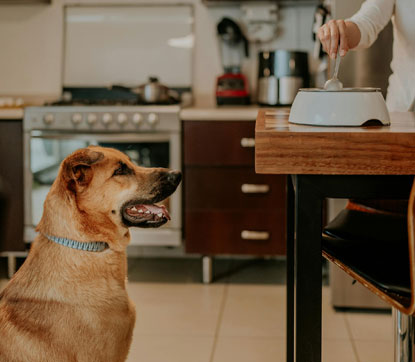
232, 86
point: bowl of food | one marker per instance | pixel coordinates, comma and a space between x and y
343, 107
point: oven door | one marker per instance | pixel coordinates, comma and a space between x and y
45, 150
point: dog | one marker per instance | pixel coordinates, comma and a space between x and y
68, 301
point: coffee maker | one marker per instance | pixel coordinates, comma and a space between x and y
232, 86
281, 73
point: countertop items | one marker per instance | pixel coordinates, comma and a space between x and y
327, 162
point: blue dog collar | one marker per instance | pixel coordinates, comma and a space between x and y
86, 246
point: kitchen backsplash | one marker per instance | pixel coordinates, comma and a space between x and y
31, 44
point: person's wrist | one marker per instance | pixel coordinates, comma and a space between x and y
353, 34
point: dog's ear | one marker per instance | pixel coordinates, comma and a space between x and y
76, 168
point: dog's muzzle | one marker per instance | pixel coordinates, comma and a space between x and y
146, 213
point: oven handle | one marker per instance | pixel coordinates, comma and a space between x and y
104, 137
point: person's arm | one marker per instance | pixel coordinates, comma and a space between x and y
360, 31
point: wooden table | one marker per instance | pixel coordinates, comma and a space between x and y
326, 162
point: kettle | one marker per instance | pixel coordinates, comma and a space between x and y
152, 92
281, 73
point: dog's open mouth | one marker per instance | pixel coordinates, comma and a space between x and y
145, 215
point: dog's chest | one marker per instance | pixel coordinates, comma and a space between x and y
107, 328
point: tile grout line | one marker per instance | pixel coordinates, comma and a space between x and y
222, 308
349, 331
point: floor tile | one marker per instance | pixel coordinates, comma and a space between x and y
333, 322
338, 351
257, 271
176, 309
254, 310
174, 270
249, 349
374, 351
170, 349
370, 326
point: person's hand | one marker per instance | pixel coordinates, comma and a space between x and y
338, 35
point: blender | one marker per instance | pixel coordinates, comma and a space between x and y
232, 86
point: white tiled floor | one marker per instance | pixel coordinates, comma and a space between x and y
227, 322
243, 323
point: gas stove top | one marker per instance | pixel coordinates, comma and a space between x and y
98, 96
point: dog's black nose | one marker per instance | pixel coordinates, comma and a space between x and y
174, 177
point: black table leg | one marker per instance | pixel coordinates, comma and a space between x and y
304, 249
290, 271
307, 270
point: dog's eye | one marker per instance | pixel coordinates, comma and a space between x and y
123, 169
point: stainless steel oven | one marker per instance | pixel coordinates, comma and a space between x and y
150, 135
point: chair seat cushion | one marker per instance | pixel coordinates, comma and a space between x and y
373, 245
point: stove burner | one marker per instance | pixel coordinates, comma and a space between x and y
98, 96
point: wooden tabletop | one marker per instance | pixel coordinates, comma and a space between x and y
285, 148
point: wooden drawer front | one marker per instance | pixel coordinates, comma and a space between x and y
219, 232
234, 188
217, 143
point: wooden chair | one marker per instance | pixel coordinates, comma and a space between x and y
378, 250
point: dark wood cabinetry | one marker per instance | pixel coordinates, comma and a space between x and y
228, 208
11, 175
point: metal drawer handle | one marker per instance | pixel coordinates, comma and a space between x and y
247, 142
254, 235
254, 189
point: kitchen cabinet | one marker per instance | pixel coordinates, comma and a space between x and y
228, 209
11, 175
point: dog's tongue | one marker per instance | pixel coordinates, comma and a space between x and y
153, 209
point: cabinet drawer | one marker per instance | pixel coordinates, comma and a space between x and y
217, 143
234, 188
240, 232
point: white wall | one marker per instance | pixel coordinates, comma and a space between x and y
31, 44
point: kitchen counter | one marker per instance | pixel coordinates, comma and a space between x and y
225, 113
11, 113
328, 162
12, 106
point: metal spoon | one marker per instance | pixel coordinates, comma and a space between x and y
334, 83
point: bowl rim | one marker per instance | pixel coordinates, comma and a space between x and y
344, 90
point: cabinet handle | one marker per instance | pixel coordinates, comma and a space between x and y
247, 142
254, 189
254, 235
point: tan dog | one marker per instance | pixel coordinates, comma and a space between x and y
69, 304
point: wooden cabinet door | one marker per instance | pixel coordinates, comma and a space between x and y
11, 174
219, 143
228, 208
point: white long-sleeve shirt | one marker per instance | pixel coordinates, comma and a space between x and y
372, 17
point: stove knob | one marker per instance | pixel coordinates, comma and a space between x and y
48, 118
107, 118
92, 119
152, 119
122, 119
77, 118
137, 119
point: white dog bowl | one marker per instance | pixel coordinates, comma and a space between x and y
346, 107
